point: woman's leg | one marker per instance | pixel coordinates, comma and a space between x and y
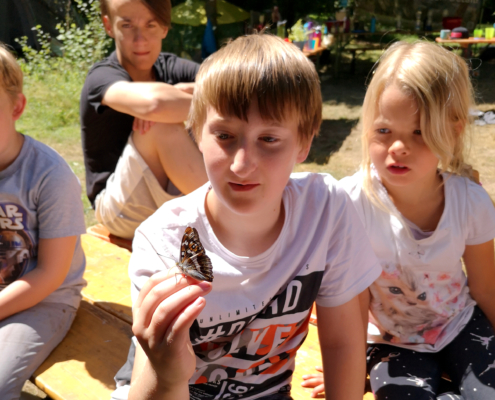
26, 339
401, 374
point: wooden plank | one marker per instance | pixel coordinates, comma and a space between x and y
101, 232
83, 365
109, 286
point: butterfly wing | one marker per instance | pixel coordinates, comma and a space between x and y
193, 260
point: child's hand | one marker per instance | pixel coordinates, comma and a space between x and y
163, 313
315, 381
187, 87
142, 126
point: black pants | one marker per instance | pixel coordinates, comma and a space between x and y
469, 360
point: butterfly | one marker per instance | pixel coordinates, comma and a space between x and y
193, 261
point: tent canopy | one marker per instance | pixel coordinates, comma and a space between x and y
193, 12
18, 17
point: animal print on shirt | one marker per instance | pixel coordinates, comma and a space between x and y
411, 305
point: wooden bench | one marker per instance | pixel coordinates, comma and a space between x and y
101, 232
85, 362
109, 286
353, 49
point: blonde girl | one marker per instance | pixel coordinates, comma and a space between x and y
424, 213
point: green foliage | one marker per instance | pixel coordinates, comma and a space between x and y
74, 49
297, 33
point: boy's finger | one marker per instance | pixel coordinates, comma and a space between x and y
178, 330
154, 280
167, 299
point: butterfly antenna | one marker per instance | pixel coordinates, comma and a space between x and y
170, 258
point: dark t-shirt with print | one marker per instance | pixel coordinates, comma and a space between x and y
104, 131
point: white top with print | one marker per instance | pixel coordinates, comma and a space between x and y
257, 314
421, 300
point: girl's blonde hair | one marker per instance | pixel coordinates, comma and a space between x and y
10, 73
438, 80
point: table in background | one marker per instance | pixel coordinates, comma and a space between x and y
465, 43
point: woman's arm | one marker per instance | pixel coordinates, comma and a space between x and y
54, 261
150, 101
340, 331
480, 267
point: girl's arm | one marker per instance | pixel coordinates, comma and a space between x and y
54, 261
340, 331
480, 267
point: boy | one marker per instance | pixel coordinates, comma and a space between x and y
41, 259
140, 90
277, 242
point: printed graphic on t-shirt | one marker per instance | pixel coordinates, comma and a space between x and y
248, 351
15, 243
413, 306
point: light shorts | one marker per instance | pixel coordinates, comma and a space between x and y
131, 195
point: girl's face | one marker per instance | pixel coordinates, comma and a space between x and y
396, 146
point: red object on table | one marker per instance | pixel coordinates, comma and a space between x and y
456, 35
451, 22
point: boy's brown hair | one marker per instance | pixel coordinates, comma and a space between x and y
263, 68
161, 9
10, 73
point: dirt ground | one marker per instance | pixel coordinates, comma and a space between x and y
337, 150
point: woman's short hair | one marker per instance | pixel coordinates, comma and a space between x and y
161, 9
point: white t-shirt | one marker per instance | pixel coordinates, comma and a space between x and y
257, 314
421, 300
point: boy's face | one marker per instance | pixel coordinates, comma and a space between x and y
249, 163
137, 33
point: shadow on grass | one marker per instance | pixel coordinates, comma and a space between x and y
332, 135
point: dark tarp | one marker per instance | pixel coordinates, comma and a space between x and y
18, 17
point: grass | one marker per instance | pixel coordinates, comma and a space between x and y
52, 117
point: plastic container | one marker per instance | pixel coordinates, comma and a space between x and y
445, 34
478, 33
489, 33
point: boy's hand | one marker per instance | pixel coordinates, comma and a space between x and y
163, 313
315, 381
142, 126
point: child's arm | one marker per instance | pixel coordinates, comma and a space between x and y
315, 381
340, 331
166, 307
480, 266
54, 261
150, 101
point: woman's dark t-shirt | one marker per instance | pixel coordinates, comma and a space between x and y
104, 131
